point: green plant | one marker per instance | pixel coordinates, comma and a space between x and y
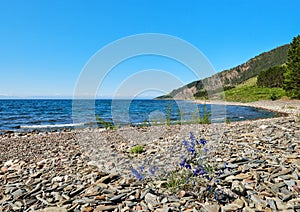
177, 180
272, 77
195, 173
195, 117
145, 123
169, 113
205, 118
105, 124
228, 120
180, 115
273, 96
137, 149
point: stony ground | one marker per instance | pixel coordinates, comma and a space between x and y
90, 170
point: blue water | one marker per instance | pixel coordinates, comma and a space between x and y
22, 115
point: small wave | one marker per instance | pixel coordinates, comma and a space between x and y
218, 119
51, 126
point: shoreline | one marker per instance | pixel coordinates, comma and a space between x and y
291, 107
89, 169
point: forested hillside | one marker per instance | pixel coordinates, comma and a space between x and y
228, 79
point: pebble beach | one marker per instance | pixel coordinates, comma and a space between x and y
90, 169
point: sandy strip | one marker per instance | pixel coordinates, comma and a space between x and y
291, 107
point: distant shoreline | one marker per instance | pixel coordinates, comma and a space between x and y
290, 107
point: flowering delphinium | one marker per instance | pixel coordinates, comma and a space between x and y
140, 173
194, 172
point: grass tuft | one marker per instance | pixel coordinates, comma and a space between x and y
137, 149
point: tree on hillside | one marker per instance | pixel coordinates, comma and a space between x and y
292, 75
272, 77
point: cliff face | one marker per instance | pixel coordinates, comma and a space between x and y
233, 76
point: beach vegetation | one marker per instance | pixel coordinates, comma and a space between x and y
138, 149
201, 118
104, 124
145, 123
168, 114
228, 121
205, 117
194, 172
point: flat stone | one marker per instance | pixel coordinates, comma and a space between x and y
101, 197
243, 176
231, 207
258, 201
287, 197
166, 209
107, 179
290, 183
16, 194
36, 174
88, 209
283, 172
54, 209
211, 208
239, 202
151, 199
118, 197
271, 204
248, 209
100, 208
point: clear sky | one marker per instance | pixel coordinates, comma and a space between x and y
44, 45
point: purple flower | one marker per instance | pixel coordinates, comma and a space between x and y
199, 171
208, 187
216, 196
137, 174
141, 169
188, 166
192, 137
189, 147
187, 180
152, 170
185, 143
182, 163
217, 180
203, 141
205, 150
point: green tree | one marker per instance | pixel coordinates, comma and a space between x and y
272, 77
292, 75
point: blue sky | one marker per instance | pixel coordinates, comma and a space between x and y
44, 45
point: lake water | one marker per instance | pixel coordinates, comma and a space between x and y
23, 115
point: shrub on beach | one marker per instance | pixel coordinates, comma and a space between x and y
137, 149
